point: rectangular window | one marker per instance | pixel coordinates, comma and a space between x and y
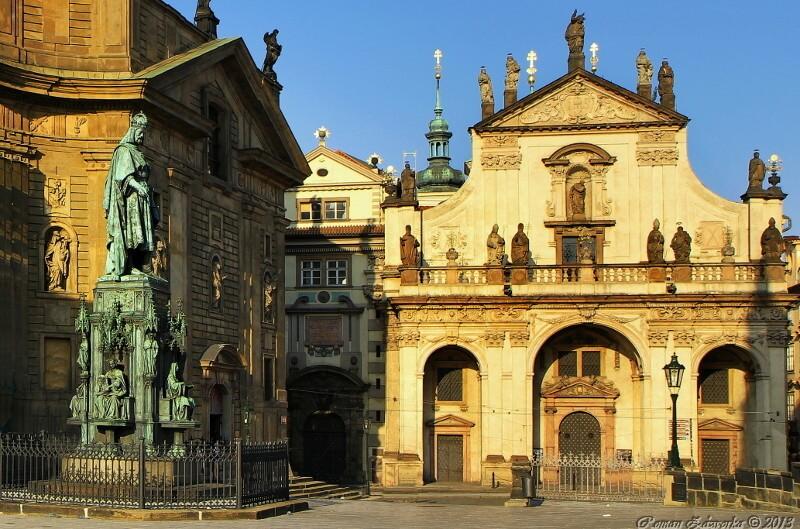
335, 209
568, 364
377, 415
377, 383
449, 385
311, 210
790, 359
714, 387
310, 273
790, 405
337, 272
267, 250
590, 363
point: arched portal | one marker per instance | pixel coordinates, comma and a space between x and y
588, 375
327, 424
726, 409
451, 416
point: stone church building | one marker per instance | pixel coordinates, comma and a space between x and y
532, 309
72, 74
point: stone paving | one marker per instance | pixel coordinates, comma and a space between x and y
374, 514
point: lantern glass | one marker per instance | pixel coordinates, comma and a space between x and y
674, 373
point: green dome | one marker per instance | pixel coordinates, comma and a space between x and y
439, 177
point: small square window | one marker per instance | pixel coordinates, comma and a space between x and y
714, 386
335, 210
310, 273
449, 384
337, 273
311, 210
590, 363
568, 364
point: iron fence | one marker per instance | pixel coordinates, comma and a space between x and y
51, 469
593, 478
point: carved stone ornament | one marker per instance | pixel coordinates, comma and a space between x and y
494, 338
57, 196
499, 161
780, 338
683, 338
656, 136
443, 313
589, 386
519, 338
710, 311
57, 257
500, 141
657, 338
657, 156
578, 104
408, 339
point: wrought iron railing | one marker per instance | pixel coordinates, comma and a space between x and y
50, 469
589, 477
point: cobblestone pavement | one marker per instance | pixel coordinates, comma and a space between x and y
374, 514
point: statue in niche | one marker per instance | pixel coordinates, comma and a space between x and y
666, 80
485, 85
177, 392
77, 403
150, 346
756, 172
681, 245
495, 247
644, 68
409, 253
217, 280
109, 400
655, 244
269, 299
772, 243
273, 52
512, 74
577, 199
575, 33
131, 213
408, 183
82, 329
56, 258
160, 259
520, 247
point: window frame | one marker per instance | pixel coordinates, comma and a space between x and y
345, 208
329, 269
450, 369
323, 208
579, 372
302, 269
702, 400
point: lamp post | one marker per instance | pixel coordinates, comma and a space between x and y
674, 373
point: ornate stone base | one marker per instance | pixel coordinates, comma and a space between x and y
404, 470
681, 272
494, 275
519, 276
409, 276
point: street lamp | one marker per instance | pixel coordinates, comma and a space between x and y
674, 373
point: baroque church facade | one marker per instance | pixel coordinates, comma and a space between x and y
531, 310
72, 76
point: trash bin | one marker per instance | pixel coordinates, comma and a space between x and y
527, 486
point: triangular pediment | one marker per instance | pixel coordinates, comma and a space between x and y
340, 168
718, 425
451, 420
581, 100
596, 387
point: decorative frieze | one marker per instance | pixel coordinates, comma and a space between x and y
408, 338
657, 156
519, 338
499, 161
657, 338
683, 338
494, 338
438, 314
656, 136
500, 141
708, 311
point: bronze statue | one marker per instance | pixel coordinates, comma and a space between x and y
577, 199
112, 388
485, 85
409, 254
273, 52
408, 183
512, 74
772, 243
177, 391
495, 247
520, 247
575, 33
681, 245
655, 244
131, 213
756, 172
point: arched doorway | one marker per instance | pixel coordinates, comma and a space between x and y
325, 446
595, 370
725, 402
451, 416
326, 424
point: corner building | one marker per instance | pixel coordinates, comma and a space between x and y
487, 364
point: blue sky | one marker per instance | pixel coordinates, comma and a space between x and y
364, 69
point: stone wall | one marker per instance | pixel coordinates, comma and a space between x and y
748, 489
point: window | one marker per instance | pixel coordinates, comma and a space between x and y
579, 363
337, 272
335, 209
311, 210
377, 415
590, 363
267, 250
790, 359
310, 273
790, 405
449, 384
377, 383
714, 387
568, 364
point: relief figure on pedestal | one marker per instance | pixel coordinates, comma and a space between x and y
655, 244
681, 245
495, 247
109, 399
409, 253
269, 299
772, 243
131, 213
756, 172
520, 246
56, 258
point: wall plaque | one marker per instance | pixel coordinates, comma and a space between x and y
324, 330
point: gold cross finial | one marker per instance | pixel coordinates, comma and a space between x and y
594, 48
531, 68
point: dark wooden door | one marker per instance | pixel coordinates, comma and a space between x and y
325, 447
450, 458
716, 456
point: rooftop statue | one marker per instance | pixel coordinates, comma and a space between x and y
512, 73
666, 85
408, 183
485, 84
273, 52
682, 245
655, 244
772, 243
131, 213
520, 247
644, 69
756, 172
575, 33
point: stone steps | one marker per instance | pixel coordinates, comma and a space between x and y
304, 487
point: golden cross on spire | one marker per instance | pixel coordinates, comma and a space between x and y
594, 48
437, 54
531, 68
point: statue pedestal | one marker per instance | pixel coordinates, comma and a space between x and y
656, 273
519, 276
409, 276
494, 275
681, 272
576, 61
775, 271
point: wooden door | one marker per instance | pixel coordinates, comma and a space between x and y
450, 458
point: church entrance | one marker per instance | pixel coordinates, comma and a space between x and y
450, 458
325, 446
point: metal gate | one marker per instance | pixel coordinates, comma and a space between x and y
579, 435
449, 458
592, 478
715, 456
